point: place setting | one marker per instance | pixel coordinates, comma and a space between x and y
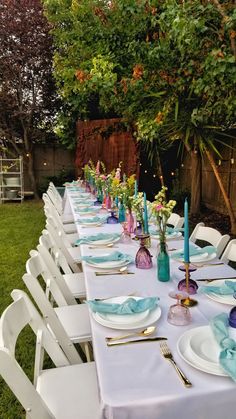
211, 348
92, 222
221, 290
129, 313
111, 263
99, 240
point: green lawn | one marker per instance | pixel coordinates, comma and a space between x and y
20, 228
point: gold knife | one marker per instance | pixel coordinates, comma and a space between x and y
127, 342
113, 273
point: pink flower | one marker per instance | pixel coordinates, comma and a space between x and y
98, 167
159, 207
103, 177
117, 175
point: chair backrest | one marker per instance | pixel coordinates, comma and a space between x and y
175, 220
46, 240
55, 191
229, 255
13, 320
58, 239
36, 269
57, 203
210, 235
55, 271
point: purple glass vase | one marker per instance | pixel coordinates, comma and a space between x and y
143, 258
112, 219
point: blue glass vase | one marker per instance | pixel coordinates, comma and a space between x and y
163, 263
121, 213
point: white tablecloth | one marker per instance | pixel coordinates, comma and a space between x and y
135, 381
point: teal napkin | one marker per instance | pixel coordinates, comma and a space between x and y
82, 201
114, 256
95, 237
87, 209
169, 230
227, 359
92, 220
228, 288
129, 306
194, 251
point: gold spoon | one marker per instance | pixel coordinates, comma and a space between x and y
146, 332
94, 246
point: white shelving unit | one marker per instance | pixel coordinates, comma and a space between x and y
11, 180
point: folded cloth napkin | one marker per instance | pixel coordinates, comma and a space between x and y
169, 230
228, 288
194, 251
129, 306
96, 237
114, 256
92, 220
87, 209
227, 358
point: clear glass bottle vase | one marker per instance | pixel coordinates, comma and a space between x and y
163, 263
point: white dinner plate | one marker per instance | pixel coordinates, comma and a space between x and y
94, 223
171, 236
151, 318
84, 205
105, 241
203, 258
84, 214
193, 354
109, 264
123, 318
224, 299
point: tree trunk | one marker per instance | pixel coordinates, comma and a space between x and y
223, 191
30, 167
196, 184
159, 170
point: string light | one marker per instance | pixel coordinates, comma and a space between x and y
219, 163
145, 171
154, 175
140, 164
182, 165
161, 177
232, 161
45, 163
27, 154
172, 173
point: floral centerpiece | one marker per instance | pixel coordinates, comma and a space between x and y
162, 210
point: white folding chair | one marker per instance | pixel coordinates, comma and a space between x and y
58, 203
69, 323
50, 210
65, 392
229, 254
175, 220
210, 235
56, 262
72, 254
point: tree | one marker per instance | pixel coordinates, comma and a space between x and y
28, 98
167, 67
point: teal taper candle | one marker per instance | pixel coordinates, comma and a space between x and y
186, 232
145, 213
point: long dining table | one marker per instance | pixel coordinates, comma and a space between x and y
135, 381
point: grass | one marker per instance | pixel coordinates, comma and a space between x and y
20, 228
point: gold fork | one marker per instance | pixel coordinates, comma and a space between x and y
165, 351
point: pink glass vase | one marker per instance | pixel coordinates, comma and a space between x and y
130, 222
108, 202
143, 258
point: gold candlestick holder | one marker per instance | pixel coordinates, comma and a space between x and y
185, 284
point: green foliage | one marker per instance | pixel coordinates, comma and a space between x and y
20, 228
168, 67
58, 180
